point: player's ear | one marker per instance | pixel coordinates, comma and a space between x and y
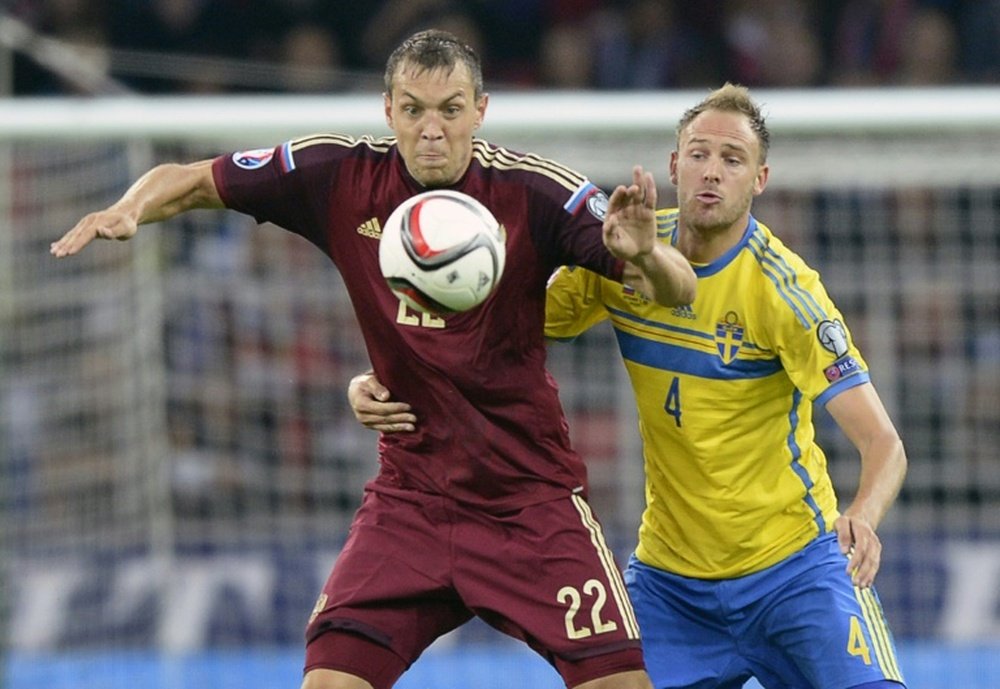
481, 109
387, 100
673, 168
760, 182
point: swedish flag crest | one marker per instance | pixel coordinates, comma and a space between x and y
728, 337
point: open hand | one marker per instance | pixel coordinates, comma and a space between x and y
107, 224
859, 542
369, 401
630, 223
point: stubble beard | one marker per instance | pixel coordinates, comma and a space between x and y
714, 220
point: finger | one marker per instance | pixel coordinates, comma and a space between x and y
863, 568
634, 195
638, 176
854, 562
394, 427
649, 191
70, 243
366, 393
393, 424
844, 537
384, 410
381, 393
865, 557
618, 199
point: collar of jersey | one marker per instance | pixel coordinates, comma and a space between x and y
707, 269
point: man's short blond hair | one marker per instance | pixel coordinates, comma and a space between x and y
732, 98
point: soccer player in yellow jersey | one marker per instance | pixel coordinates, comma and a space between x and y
745, 567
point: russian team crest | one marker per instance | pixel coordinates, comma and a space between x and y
729, 337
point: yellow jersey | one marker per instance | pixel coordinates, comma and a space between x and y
725, 390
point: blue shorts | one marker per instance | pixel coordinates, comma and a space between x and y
800, 623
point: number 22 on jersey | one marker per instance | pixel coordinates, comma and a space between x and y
407, 316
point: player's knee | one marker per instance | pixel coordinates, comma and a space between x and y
621, 669
332, 679
343, 660
633, 679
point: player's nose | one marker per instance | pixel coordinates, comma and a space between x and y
712, 170
431, 128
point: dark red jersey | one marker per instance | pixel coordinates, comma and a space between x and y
491, 431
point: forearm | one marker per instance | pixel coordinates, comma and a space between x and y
883, 468
664, 275
168, 190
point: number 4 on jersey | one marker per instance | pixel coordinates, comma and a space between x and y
672, 405
856, 644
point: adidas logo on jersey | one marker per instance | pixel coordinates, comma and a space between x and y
370, 228
684, 311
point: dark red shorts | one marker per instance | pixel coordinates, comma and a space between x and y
416, 566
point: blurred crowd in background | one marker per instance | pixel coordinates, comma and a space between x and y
241, 401
210, 46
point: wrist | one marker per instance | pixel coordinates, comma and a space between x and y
645, 260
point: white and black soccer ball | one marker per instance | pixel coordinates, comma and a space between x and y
442, 252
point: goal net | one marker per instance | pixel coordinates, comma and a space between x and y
178, 463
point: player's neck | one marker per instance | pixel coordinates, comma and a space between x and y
704, 245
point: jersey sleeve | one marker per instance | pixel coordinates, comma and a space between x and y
573, 303
812, 339
587, 207
273, 185
567, 214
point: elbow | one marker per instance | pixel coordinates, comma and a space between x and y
684, 286
685, 290
902, 461
688, 292
678, 295
669, 284
896, 462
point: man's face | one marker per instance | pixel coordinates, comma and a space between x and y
717, 171
434, 115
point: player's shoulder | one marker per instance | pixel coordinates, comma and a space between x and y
530, 167
772, 253
666, 223
341, 141
316, 148
785, 286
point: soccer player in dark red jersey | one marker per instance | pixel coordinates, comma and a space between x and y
481, 511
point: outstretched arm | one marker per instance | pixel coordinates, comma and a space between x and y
161, 193
654, 268
863, 419
369, 400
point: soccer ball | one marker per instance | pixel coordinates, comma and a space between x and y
442, 252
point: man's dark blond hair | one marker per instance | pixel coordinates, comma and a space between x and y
431, 50
732, 98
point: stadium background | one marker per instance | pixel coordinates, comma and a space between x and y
178, 461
